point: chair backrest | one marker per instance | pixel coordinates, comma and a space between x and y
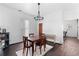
42, 38
31, 34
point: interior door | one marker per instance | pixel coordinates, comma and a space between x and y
40, 28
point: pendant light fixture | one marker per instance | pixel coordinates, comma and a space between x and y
39, 18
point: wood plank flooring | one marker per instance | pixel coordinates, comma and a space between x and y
69, 48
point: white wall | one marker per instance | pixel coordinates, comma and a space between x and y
33, 26
12, 20
53, 24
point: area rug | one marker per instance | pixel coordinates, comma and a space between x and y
37, 53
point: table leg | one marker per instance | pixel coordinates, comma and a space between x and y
32, 48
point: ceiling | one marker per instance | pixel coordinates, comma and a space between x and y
32, 8
45, 8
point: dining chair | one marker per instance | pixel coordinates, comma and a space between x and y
41, 42
31, 34
26, 44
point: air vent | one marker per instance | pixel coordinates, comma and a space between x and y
20, 10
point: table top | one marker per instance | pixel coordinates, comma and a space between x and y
33, 38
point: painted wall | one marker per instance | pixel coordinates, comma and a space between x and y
33, 27
12, 20
53, 24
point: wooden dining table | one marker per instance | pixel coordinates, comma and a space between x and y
33, 39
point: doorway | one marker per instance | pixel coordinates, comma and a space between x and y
71, 28
26, 27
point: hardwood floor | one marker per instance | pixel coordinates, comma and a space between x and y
11, 51
69, 48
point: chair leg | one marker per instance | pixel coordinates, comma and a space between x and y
40, 49
27, 52
35, 48
44, 46
23, 50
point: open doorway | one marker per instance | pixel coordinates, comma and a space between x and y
71, 28
26, 27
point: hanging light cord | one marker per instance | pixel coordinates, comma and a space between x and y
38, 9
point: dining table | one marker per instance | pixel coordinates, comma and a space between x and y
33, 39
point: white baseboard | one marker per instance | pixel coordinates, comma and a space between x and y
15, 42
59, 42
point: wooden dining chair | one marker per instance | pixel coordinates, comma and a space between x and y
41, 42
26, 44
31, 34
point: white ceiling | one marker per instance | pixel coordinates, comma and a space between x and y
32, 8
45, 8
